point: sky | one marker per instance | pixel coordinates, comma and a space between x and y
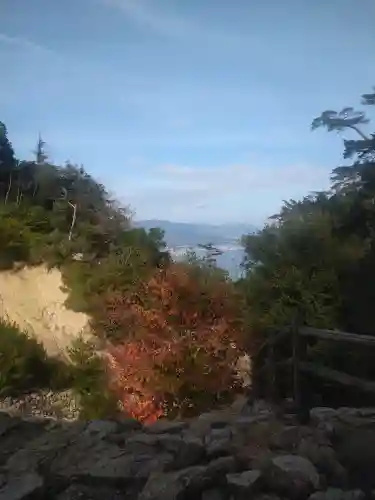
195, 110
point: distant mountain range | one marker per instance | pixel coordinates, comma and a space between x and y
187, 234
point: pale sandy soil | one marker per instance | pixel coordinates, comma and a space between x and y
34, 299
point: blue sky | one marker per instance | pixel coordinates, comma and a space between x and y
193, 110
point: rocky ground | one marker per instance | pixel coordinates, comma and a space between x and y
59, 405
241, 453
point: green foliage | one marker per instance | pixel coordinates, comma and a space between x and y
98, 251
90, 382
25, 367
314, 264
24, 364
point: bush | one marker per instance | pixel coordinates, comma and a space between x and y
25, 367
24, 364
90, 382
176, 339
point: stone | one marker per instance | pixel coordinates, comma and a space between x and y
57, 405
7, 423
217, 456
85, 492
322, 414
101, 427
244, 483
141, 441
241, 405
22, 487
218, 448
174, 485
266, 496
221, 466
356, 451
337, 494
44, 448
325, 460
292, 475
287, 438
129, 424
100, 459
165, 426
222, 433
246, 421
186, 451
219, 442
213, 494
189, 481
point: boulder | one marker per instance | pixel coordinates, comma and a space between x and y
292, 476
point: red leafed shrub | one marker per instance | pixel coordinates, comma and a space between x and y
174, 343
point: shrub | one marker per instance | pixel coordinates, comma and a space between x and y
90, 382
176, 340
24, 364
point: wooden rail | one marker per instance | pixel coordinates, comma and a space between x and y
267, 364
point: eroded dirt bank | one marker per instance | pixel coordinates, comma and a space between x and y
34, 299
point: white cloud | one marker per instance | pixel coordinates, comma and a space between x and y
24, 43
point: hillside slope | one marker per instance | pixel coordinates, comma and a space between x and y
33, 297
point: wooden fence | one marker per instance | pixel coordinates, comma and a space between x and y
267, 364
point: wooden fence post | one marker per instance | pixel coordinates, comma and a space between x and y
256, 378
271, 372
300, 396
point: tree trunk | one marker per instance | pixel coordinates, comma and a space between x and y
9, 188
364, 137
73, 219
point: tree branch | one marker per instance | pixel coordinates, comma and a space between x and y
364, 137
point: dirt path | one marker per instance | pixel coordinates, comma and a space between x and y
34, 299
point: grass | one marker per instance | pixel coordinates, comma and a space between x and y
24, 364
26, 367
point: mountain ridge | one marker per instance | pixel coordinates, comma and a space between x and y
192, 234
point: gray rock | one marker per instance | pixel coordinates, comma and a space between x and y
44, 448
292, 475
247, 421
223, 433
22, 487
337, 494
7, 423
190, 481
325, 460
221, 466
244, 483
163, 426
322, 414
186, 451
288, 437
101, 427
219, 442
174, 485
213, 494
90, 458
84, 492
129, 424
241, 405
209, 457
266, 496
356, 452
218, 448
141, 441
